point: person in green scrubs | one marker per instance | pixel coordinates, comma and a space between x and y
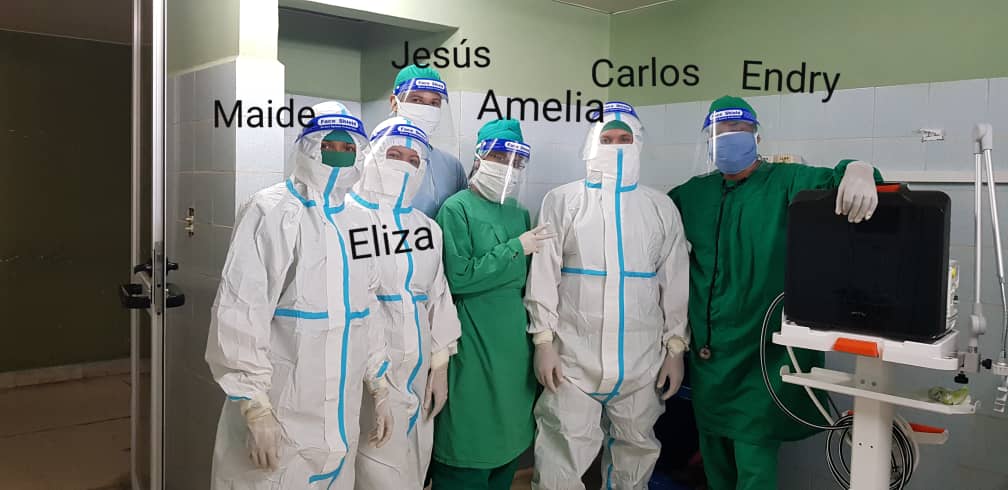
487, 423
736, 220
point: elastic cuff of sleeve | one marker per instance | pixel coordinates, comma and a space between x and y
379, 388
516, 247
440, 358
676, 345
544, 337
255, 408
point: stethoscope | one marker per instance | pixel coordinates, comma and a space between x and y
705, 352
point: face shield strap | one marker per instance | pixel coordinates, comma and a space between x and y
427, 84
333, 122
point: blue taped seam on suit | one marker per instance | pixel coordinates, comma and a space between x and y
357, 315
238, 398
419, 297
362, 201
610, 468
294, 192
304, 315
416, 313
586, 272
622, 269
346, 336
389, 297
382, 369
640, 274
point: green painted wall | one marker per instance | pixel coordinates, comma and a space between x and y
870, 42
321, 55
537, 48
200, 32
66, 200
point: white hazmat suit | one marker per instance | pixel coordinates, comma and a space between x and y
609, 297
295, 331
423, 324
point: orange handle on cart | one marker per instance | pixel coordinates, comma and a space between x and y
856, 347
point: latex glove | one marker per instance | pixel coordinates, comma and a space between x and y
671, 373
533, 239
264, 434
383, 421
857, 196
437, 391
547, 366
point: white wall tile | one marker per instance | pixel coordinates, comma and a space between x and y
957, 106
186, 145
997, 115
223, 147
684, 122
901, 154
900, 110
203, 150
172, 113
802, 117
849, 114
952, 154
654, 119
186, 87
374, 112
216, 83
221, 243
224, 206
767, 109
202, 196
184, 197
262, 149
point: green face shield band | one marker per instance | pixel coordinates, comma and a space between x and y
339, 158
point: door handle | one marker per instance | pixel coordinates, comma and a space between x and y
137, 296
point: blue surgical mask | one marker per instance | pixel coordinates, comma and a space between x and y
735, 151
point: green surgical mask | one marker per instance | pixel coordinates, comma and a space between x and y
339, 158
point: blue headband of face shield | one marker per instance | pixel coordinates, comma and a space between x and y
506, 146
730, 115
616, 108
404, 130
428, 84
331, 122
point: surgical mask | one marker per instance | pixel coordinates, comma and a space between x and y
491, 180
733, 152
607, 161
389, 180
425, 117
339, 158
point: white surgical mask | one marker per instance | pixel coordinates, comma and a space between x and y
425, 117
491, 180
606, 163
386, 178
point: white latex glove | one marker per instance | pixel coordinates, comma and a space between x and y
671, 373
437, 391
533, 239
857, 196
547, 366
383, 422
264, 434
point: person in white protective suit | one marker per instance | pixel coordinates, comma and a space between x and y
607, 306
423, 325
296, 332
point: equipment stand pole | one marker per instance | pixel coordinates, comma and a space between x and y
873, 420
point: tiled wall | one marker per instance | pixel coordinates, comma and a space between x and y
214, 171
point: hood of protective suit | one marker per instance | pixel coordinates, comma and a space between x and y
331, 182
389, 181
614, 162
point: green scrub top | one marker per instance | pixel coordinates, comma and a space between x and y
729, 396
488, 420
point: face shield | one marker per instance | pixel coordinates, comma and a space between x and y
498, 173
396, 162
614, 146
424, 102
332, 140
728, 142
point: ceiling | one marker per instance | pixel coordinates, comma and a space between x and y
99, 20
613, 6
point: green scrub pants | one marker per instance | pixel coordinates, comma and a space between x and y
446, 477
736, 465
